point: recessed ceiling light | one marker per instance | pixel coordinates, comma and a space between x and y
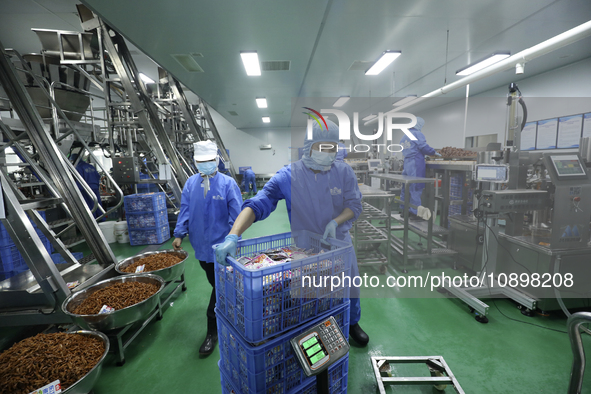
261, 102
341, 101
370, 116
145, 78
251, 63
266, 119
385, 59
483, 63
405, 100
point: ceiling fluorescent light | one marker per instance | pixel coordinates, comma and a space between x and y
385, 59
266, 119
145, 78
341, 101
261, 102
251, 63
370, 116
483, 63
405, 100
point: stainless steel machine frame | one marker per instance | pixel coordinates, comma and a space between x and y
366, 237
425, 229
574, 323
435, 363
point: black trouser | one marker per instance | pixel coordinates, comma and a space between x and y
210, 272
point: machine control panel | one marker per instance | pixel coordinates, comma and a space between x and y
126, 170
320, 347
568, 167
498, 201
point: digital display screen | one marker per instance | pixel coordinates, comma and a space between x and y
373, 164
491, 173
567, 165
314, 350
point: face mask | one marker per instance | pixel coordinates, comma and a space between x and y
207, 168
323, 158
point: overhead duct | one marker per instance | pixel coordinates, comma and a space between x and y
556, 42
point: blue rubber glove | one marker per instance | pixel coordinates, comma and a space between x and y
330, 230
228, 247
437, 154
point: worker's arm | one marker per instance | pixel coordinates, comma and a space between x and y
243, 221
347, 214
182, 224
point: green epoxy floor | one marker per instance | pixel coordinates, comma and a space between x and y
502, 356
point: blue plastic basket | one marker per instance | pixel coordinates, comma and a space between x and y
141, 220
242, 170
264, 303
337, 375
149, 236
11, 259
58, 259
147, 202
5, 239
272, 366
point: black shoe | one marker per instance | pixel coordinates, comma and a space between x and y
358, 335
208, 345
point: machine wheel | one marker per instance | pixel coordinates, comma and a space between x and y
471, 310
481, 319
527, 312
121, 363
159, 317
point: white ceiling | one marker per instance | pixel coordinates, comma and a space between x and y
321, 39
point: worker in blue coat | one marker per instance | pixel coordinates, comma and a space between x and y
342, 152
210, 203
414, 152
321, 195
92, 177
250, 181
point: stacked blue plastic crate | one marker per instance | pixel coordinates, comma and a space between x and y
147, 187
455, 191
147, 218
259, 311
11, 261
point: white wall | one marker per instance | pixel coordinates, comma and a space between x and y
244, 145
561, 92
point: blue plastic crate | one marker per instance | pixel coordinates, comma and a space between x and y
11, 258
151, 236
272, 366
58, 259
141, 220
337, 375
144, 202
5, 239
242, 170
264, 303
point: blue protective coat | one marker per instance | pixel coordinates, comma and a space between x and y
93, 179
250, 180
342, 152
313, 200
208, 219
414, 162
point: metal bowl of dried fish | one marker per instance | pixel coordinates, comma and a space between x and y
167, 264
115, 302
71, 361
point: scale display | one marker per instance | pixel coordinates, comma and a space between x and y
491, 173
320, 347
374, 165
567, 166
